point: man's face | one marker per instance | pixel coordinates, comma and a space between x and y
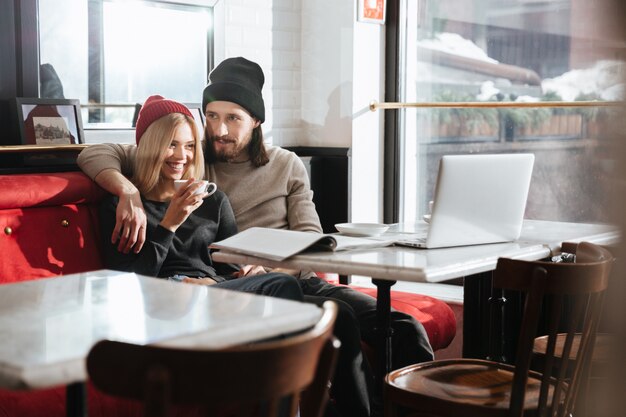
229, 130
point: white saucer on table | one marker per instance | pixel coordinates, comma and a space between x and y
361, 229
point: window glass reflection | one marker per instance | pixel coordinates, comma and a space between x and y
63, 44
524, 51
112, 55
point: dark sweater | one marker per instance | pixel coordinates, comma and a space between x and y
166, 253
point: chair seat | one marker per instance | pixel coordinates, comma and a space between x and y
600, 354
467, 387
481, 388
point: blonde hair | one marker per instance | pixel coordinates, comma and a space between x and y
151, 152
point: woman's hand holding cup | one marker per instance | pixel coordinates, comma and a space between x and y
185, 201
200, 186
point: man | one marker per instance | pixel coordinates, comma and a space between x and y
267, 187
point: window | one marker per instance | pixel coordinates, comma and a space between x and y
112, 54
527, 51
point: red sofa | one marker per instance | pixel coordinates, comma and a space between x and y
47, 224
49, 227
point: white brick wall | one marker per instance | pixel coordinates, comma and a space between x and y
322, 68
268, 32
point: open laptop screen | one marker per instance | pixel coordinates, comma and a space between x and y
479, 199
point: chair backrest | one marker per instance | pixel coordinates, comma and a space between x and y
582, 284
254, 379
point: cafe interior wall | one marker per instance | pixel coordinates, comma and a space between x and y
342, 71
322, 68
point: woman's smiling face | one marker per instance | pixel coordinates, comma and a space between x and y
179, 153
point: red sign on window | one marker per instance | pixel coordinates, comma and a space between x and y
371, 11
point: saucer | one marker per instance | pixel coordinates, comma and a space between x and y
361, 229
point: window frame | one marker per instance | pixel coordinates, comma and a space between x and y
96, 48
392, 120
28, 48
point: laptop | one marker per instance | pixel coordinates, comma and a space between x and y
478, 199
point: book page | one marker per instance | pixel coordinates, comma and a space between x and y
268, 243
277, 244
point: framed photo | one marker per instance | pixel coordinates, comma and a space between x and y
372, 11
49, 121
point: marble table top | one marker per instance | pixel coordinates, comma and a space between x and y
47, 326
539, 239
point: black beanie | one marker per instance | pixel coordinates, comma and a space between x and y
239, 81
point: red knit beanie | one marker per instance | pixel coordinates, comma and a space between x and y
153, 109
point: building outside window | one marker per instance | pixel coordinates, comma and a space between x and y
510, 50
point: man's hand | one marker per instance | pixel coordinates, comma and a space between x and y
249, 271
130, 223
200, 281
130, 216
294, 272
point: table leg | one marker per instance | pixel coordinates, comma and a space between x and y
491, 319
476, 311
76, 400
497, 334
384, 333
345, 279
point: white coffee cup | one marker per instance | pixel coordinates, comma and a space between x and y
208, 187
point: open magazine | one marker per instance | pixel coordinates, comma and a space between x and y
277, 244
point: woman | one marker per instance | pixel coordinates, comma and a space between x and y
181, 223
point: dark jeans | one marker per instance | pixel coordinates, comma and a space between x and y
273, 284
410, 342
352, 386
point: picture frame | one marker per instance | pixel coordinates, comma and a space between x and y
49, 122
372, 11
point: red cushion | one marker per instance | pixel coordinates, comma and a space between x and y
52, 403
435, 315
46, 190
48, 225
48, 241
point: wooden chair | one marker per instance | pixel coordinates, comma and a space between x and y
603, 341
251, 380
481, 388
600, 359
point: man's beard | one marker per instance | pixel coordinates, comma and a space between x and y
224, 155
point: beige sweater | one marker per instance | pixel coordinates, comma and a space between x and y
276, 195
